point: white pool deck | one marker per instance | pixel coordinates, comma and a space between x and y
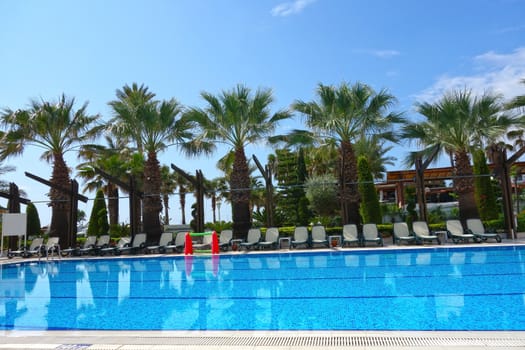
275, 340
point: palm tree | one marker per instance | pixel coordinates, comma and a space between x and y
57, 128
155, 126
342, 116
169, 185
225, 164
237, 118
112, 159
184, 187
132, 104
517, 102
4, 185
135, 170
214, 191
375, 151
321, 159
456, 125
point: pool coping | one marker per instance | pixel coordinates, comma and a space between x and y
153, 340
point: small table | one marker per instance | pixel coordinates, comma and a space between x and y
442, 233
236, 244
336, 238
284, 239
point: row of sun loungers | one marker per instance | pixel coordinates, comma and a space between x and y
455, 231
38, 248
303, 238
475, 231
92, 245
369, 233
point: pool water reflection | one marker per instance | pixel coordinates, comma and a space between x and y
424, 289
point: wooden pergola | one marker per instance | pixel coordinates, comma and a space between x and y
396, 181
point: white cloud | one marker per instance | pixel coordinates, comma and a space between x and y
506, 30
495, 73
379, 53
290, 8
392, 73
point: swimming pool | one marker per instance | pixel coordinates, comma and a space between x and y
481, 288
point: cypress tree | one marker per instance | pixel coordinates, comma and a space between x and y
410, 198
303, 214
370, 208
33, 221
98, 221
483, 190
287, 179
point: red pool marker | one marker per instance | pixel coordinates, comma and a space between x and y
188, 246
214, 243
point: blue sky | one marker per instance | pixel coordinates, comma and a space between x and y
88, 49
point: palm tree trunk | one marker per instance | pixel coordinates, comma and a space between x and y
348, 189
152, 201
166, 201
240, 195
113, 204
214, 206
182, 195
60, 203
464, 187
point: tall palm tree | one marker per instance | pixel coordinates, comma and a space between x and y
225, 164
132, 104
342, 116
237, 118
57, 128
457, 124
156, 126
135, 170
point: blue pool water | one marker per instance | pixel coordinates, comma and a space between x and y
425, 289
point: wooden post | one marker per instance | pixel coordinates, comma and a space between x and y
74, 196
420, 181
498, 155
420, 189
73, 214
13, 206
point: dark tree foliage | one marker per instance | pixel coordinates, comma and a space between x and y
484, 192
285, 174
370, 208
291, 176
98, 221
33, 221
303, 213
410, 200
